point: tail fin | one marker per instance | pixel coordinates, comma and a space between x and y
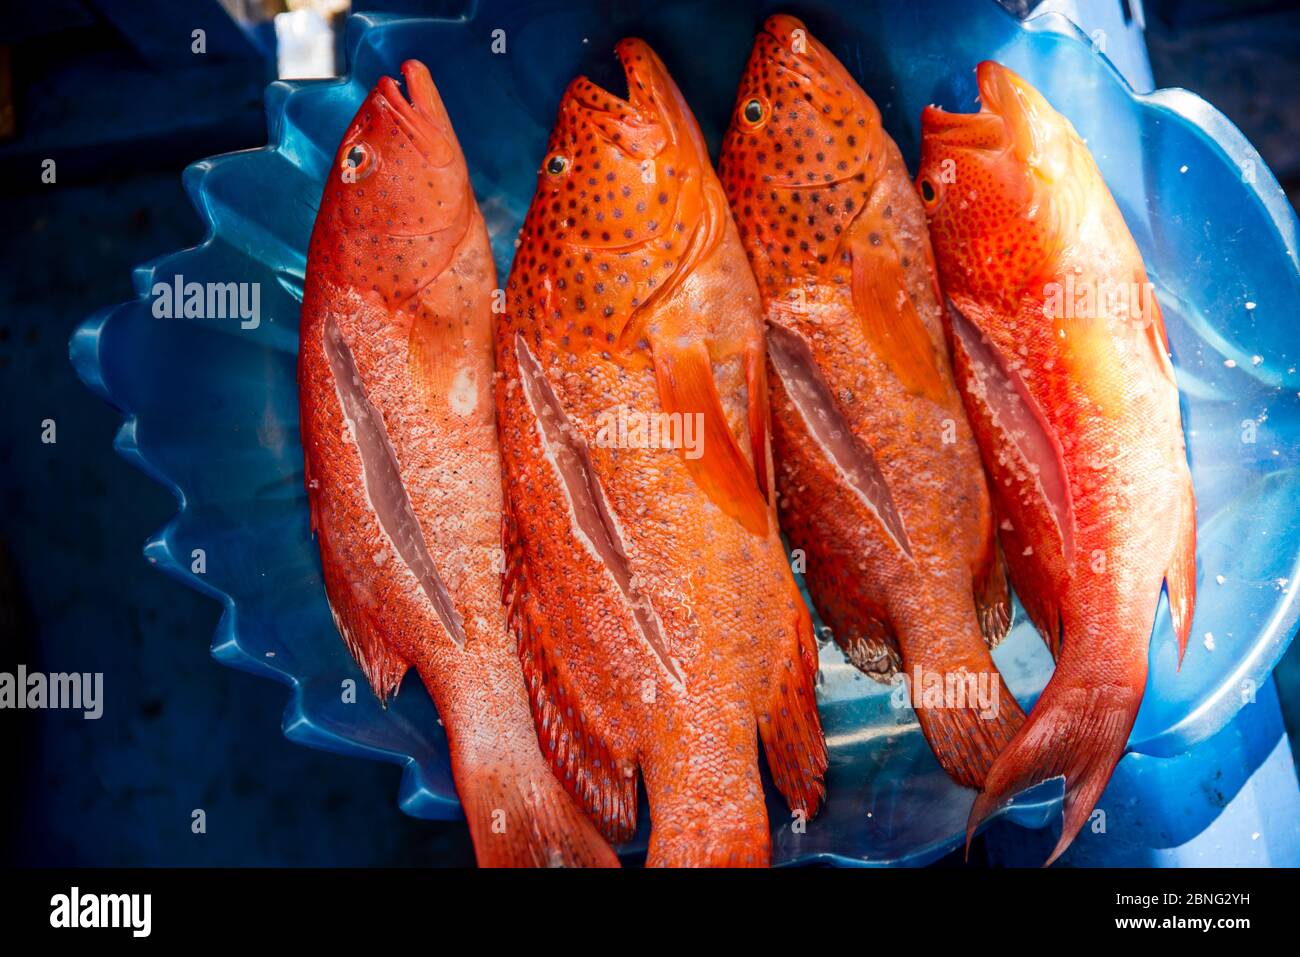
518, 819
707, 807
1074, 732
966, 712
967, 740
726, 847
790, 727
690, 829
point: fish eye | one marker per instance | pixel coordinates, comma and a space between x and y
556, 164
753, 112
358, 163
929, 195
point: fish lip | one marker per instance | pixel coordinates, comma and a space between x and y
646, 76
780, 28
1002, 95
652, 97
982, 130
999, 87
420, 113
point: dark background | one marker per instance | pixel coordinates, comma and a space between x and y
92, 84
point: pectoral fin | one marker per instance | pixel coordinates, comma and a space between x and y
759, 416
447, 370
1157, 338
889, 318
686, 386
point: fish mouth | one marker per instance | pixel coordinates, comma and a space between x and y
983, 130
1011, 113
819, 65
420, 114
782, 30
653, 114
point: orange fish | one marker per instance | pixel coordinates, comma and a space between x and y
403, 473
1060, 351
659, 624
879, 476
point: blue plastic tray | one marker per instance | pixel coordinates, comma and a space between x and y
212, 407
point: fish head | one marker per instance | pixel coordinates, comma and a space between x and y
804, 148
621, 191
398, 199
999, 186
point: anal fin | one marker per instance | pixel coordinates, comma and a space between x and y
872, 649
965, 709
382, 666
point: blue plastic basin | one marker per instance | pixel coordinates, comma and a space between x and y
212, 407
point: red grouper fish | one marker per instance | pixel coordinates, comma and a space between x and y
403, 473
878, 475
1060, 351
659, 623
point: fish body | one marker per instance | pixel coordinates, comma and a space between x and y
659, 624
879, 478
402, 464
1060, 350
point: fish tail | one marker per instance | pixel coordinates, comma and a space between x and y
1077, 731
523, 818
966, 712
791, 729
725, 847
967, 740
707, 807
